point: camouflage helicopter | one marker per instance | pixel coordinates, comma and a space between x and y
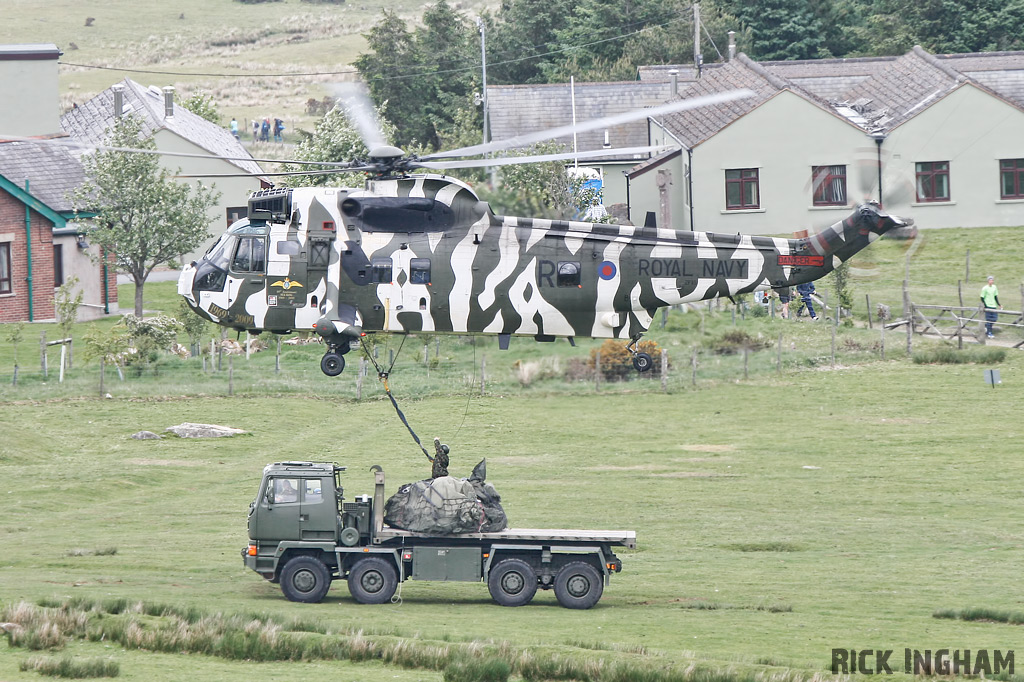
413, 251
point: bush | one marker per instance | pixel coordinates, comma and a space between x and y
617, 362
75, 668
476, 670
952, 356
734, 340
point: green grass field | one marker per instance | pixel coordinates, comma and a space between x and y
892, 491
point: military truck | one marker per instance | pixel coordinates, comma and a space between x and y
303, 534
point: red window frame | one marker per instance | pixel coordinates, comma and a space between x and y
1012, 170
6, 276
829, 185
929, 175
742, 180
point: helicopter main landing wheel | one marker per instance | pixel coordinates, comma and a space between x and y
642, 362
332, 364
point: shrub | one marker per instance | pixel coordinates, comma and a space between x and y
478, 670
74, 668
734, 340
952, 356
616, 361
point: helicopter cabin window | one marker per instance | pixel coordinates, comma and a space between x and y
742, 189
932, 181
288, 248
381, 270
829, 183
250, 255
1011, 178
419, 271
568, 274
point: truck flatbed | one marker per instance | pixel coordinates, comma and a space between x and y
626, 538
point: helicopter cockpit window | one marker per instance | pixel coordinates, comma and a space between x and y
568, 274
419, 271
381, 271
219, 252
250, 255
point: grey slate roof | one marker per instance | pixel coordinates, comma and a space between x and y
697, 125
903, 89
1001, 72
53, 171
90, 121
518, 109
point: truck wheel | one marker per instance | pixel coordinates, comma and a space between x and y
372, 581
512, 582
578, 585
305, 579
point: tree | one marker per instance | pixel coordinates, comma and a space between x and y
521, 37
782, 29
425, 77
143, 217
65, 305
201, 104
334, 138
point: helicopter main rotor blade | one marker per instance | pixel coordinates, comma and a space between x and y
596, 124
329, 171
76, 144
540, 158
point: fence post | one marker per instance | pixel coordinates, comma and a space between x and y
664, 370
771, 306
42, 354
910, 330
833, 346
247, 346
867, 302
967, 267
746, 361
597, 371
359, 380
102, 368
63, 362
483, 373
778, 356
664, 317
437, 346
220, 350
231, 375
960, 292
882, 327
693, 362
426, 355
277, 357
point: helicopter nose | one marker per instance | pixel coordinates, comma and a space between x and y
186, 280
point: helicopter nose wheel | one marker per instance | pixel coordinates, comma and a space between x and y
332, 364
642, 362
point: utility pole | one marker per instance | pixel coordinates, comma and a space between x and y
698, 58
483, 67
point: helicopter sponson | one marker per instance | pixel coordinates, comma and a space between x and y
423, 253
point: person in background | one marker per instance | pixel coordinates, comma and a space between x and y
785, 294
805, 290
234, 127
990, 301
255, 130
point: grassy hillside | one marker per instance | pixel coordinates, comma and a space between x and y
195, 38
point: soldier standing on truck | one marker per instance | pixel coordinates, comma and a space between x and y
439, 467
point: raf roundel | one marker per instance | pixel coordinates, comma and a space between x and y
607, 270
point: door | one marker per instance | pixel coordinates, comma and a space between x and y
279, 510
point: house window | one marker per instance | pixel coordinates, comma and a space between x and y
829, 185
1011, 178
381, 271
5, 268
741, 189
568, 274
58, 265
419, 271
236, 213
933, 181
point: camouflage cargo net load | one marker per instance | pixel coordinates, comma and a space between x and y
447, 505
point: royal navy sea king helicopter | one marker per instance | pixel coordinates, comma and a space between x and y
414, 251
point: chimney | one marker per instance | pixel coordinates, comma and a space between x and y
732, 45
118, 100
673, 75
169, 102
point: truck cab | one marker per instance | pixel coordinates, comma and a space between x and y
303, 534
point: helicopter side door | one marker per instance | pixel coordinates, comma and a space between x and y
248, 267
